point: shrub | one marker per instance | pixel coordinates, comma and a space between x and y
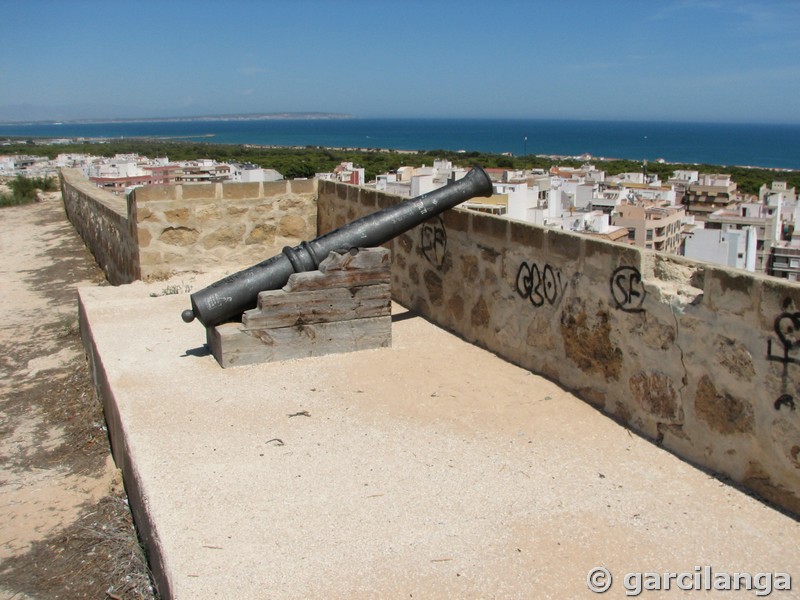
23, 190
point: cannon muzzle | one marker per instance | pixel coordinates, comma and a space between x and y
231, 296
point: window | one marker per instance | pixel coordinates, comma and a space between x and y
649, 235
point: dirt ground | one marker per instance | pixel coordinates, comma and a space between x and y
65, 526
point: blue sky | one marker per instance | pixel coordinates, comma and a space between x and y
689, 60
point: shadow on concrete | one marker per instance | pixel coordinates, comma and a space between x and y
198, 352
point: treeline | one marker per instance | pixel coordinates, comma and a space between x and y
305, 162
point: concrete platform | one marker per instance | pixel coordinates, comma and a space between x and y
431, 469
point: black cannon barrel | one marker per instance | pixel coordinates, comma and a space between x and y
231, 296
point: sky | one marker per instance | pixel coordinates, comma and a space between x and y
665, 60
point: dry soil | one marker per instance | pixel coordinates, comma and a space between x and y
65, 527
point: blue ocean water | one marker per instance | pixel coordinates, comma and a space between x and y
760, 145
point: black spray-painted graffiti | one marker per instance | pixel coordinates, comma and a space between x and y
540, 285
787, 329
784, 400
627, 289
434, 241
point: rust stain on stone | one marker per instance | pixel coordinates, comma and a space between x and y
176, 214
292, 226
413, 274
480, 313
179, 236
469, 268
261, 234
433, 283
588, 343
655, 334
757, 479
455, 307
734, 356
593, 396
654, 392
406, 243
622, 411
722, 412
229, 236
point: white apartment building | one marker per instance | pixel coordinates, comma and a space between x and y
730, 247
764, 219
247, 173
519, 201
685, 177
119, 167
778, 188
413, 181
7, 166
27, 166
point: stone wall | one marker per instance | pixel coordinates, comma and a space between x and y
101, 219
160, 231
703, 360
196, 227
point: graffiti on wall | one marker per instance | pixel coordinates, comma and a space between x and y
627, 289
434, 241
787, 329
540, 285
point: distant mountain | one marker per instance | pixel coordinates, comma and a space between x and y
236, 117
28, 113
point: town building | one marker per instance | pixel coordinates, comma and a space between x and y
26, 166
203, 170
124, 172
413, 181
764, 219
777, 188
784, 260
730, 247
780, 196
345, 172
651, 225
249, 173
709, 193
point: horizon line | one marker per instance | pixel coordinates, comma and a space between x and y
322, 115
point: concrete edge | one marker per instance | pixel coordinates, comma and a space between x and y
145, 526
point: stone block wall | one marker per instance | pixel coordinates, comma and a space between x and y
101, 219
160, 231
196, 227
703, 360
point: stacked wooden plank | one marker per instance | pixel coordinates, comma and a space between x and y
342, 307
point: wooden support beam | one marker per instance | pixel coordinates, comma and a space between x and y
342, 307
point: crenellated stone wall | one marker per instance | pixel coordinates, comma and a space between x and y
101, 219
703, 360
202, 226
160, 231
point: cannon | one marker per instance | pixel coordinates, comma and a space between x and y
230, 297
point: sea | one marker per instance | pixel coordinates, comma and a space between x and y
731, 144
